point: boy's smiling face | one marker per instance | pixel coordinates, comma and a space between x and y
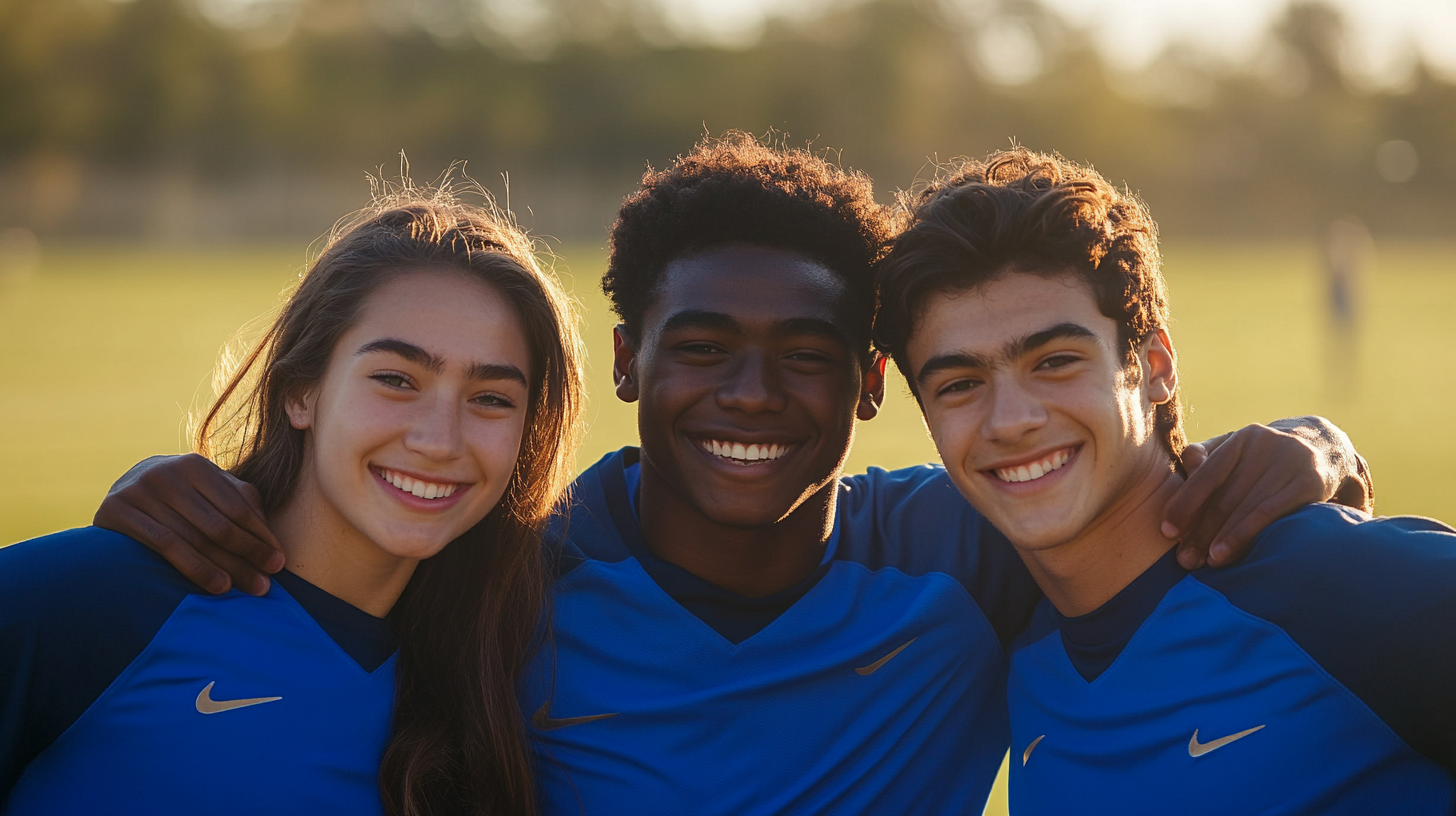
1040, 419
748, 381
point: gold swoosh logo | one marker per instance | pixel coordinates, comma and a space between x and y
543, 721
1030, 748
1198, 749
207, 705
866, 671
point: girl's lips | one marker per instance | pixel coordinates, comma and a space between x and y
422, 494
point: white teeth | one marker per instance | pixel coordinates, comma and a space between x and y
425, 490
1034, 470
744, 453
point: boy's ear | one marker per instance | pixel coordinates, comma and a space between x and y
624, 365
1160, 362
872, 388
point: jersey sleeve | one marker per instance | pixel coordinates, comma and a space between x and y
916, 520
76, 608
1374, 603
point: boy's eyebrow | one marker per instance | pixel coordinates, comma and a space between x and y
811, 326
950, 360
700, 319
1010, 351
718, 321
436, 365
1031, 342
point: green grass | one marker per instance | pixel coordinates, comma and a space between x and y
105, 350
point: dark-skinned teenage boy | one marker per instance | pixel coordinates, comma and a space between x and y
738, 628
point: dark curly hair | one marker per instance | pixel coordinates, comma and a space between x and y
738, 189
1034, 213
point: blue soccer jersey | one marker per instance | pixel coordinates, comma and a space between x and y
875, 686
1317, 676
124, 691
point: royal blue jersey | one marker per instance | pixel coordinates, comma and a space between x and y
1317, 676
123, 690
874, 686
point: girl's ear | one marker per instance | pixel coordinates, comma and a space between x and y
300, 410
1161, 364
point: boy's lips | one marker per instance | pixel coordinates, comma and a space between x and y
740, 453
1033, 468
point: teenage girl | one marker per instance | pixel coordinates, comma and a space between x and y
409, 421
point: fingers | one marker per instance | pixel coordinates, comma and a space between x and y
1194, 456
230, 513
241, 574
1185, 506
128, 520
1256, 476
1258, 511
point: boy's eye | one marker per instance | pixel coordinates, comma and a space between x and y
699, 348
958, 385
1057, 361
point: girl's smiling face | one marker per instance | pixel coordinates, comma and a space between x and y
413, 432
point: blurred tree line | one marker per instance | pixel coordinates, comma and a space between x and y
198, 119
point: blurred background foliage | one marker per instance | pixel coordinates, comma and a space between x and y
188, 120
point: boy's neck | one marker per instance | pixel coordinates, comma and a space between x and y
751, 561
1086, 572
328, 552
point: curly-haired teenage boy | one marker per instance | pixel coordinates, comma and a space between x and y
738, 628
1026, 304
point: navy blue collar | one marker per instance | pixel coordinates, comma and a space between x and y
1094, 640
735, 617
367, 639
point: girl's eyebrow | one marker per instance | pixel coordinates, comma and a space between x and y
436, 364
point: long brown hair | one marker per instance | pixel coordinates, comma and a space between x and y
472, 615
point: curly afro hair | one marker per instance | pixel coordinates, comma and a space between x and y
1036, 213
739, 190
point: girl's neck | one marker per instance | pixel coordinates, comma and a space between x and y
323, 548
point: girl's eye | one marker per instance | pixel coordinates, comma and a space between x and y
391, 379
493, 401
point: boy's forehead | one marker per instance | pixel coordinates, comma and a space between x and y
749, 283
1007, 307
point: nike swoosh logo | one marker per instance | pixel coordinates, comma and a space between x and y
1030, 748
1198, 749
543, 720
866, 671
207, 705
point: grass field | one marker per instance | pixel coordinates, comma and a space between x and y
103, 350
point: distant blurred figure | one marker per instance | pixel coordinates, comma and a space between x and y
19, 253
1347, 253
